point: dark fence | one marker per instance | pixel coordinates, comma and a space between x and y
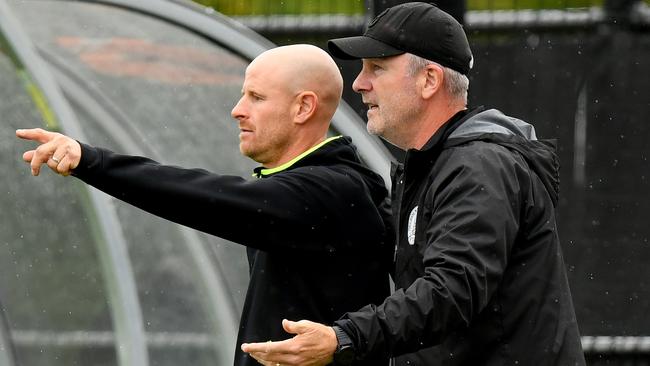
287, 18
589, 89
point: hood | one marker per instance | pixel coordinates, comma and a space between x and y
495, 127
493, 121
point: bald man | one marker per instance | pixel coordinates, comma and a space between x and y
315, 225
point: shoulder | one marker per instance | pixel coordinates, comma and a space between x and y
477, 166
337, 174
478, 154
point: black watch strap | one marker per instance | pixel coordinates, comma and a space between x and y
344, 354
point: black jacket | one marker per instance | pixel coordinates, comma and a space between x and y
317, 229
479, 274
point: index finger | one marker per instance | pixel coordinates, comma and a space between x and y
35, 134
267, 347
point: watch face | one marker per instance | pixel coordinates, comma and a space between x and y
344, 355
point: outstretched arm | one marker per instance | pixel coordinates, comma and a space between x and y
322, 207
59, 152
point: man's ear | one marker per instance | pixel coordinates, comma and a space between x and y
434, 77
306, 103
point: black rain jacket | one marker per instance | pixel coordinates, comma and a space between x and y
318, 229
478, 269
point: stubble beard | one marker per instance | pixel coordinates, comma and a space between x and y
373, 128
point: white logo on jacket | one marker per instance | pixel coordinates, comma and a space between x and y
411, 226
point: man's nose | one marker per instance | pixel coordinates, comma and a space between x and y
238, 110
361, 83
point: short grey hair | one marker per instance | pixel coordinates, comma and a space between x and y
456, 83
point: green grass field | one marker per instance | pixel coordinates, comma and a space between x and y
263, 7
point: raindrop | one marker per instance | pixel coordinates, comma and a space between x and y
533, 41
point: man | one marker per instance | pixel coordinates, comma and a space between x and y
478, 269
314, 223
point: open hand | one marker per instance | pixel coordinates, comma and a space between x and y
313, 345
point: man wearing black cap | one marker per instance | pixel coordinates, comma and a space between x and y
478, 267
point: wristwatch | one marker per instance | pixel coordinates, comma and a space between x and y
344, 354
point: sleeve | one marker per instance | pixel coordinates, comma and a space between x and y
472, 224
299, 209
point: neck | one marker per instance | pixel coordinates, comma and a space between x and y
431, 122
298, 146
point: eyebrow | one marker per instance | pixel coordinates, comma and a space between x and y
381, 61
251, 91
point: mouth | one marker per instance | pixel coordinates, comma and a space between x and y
244, 132
371, 106
244, 129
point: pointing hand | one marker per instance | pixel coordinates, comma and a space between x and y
59, 152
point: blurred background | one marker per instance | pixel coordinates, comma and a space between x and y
87, 280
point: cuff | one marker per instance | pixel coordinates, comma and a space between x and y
90, 159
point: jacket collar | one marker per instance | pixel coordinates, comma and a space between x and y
440, 136
436, 142
261, 171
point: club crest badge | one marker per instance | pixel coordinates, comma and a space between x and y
411, 225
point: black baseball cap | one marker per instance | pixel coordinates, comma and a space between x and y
418, 28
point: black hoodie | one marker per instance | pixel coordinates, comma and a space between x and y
317, 228
478, 268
